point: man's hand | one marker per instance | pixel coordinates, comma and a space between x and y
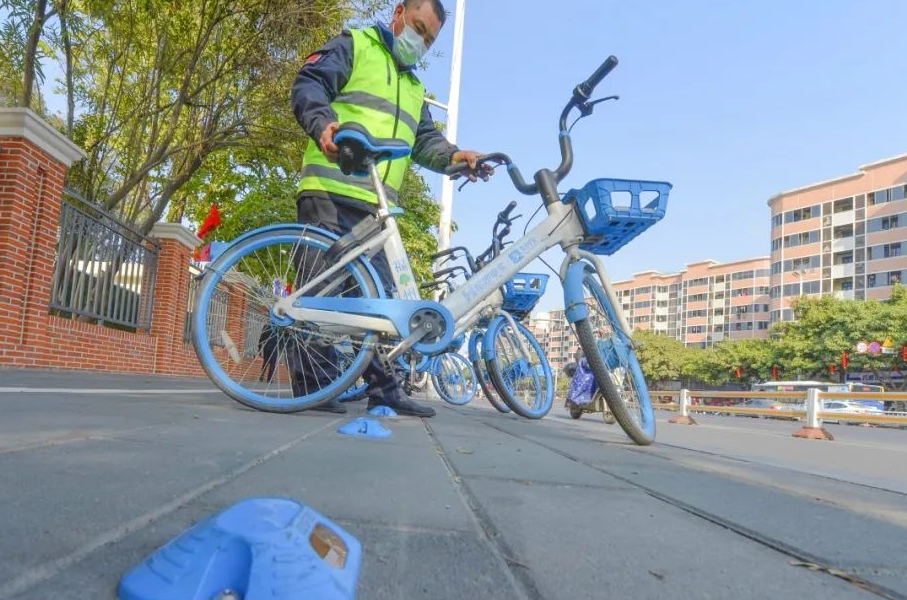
471, 157
326, 142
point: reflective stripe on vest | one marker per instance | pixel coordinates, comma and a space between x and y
384, 101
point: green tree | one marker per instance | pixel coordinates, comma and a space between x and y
826, 327
661, 358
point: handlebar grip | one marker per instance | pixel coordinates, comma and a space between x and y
456, 168
585, 88
505, 214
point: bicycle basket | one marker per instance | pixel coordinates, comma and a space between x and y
523, 292
612, 212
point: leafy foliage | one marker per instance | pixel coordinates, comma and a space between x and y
824, 329
185, 104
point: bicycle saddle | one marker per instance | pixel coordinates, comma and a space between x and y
357, 146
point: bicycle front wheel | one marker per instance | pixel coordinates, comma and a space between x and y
518, 368
234, 333
609, 351
453, 378
482, 377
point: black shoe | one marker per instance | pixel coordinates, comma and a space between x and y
402, 405
332, 407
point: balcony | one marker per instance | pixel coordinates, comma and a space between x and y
842, 244
842, 218
838, 271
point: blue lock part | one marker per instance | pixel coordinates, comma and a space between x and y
365, 428
258, 549
383, 411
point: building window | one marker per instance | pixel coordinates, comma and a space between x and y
879, 197
761, 325
802, 214
894, 277
885, 223
777, 220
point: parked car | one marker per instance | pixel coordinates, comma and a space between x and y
842, 407
768, 404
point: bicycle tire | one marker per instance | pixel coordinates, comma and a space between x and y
506, 365
454, 378
265, 247
614, 364
478, 365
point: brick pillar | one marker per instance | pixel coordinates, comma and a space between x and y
34, 159
171, 294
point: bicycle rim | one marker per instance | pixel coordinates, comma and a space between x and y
453, 378
614, 365
482, 377
232, 326
523, 380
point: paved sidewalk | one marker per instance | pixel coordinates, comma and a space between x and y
470, 504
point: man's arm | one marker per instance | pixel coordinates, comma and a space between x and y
431, 150
318, 82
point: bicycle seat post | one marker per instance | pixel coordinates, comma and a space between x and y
383, 203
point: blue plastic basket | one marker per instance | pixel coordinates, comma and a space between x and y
612, 212
523, 292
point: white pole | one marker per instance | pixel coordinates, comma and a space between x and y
453, 110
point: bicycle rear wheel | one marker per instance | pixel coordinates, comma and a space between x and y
232, 320
609, 351
518, 368
453, 378
482, 377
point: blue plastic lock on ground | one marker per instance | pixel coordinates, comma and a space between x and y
258, 549
365, 428
383, 411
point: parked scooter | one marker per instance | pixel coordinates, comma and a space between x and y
583, 395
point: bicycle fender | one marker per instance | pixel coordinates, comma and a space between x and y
575, 308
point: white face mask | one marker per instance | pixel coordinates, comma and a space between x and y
409, 46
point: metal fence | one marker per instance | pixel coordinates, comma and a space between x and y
105, 269
217, 314
256, 320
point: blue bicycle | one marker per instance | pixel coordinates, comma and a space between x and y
338, 299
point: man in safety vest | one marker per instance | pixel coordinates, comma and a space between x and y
366, 76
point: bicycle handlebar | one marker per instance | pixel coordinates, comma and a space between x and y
583, 91
581, 95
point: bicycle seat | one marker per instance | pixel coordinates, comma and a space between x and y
357, 147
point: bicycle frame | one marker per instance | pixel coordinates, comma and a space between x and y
479, 295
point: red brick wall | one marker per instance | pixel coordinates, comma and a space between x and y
31, 186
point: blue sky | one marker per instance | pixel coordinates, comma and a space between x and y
730, 101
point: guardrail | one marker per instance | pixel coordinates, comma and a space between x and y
810, 410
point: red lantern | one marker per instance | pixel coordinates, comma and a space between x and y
904, 353
739, 372
845, 360
775, 373
831, 369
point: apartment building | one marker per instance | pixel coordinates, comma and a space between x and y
705, 303
846, 236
